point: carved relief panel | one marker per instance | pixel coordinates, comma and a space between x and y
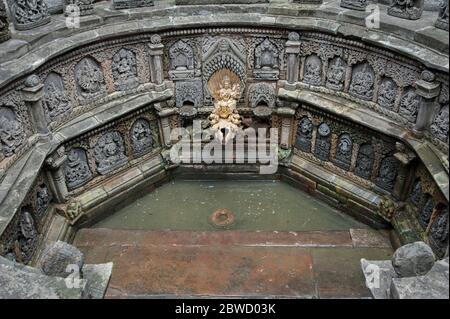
109, 152
365, 161
336, 74
77, 171
313, 70
323, 142
56, 100
387, 173
304, 135
124, 70
89, 79
12, 135
363, 81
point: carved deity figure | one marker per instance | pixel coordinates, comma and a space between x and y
28, 14
426, 213
4, 24
365, 161
323, 142
43, 199
387, 93
336, 74
109, 152
266, 55
76, 169
141, 137
56, 100
388, 173
313, 70
409, 105
344, 151
28, 236
304, 135
225, 117
442, 21
11, 132
416, 193
181, 56
406, 9
362, 83
124, 70
89, 78
440, 125
440, 228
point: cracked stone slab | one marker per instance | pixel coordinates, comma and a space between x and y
369, 238
98, 277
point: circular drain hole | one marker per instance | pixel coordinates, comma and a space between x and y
222, 218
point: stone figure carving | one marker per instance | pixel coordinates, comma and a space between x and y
124, 70
359, 5
362, 83
416, 193
304, 135
365, 161
76, 170
336, 74
43, 199
11, 132
4, 24
141, 137
409, 105
262, 93
225, 119
28, 14
28, 236
182, 63
56, 100
189, 92
387, 93
313, 70
85, 7
426, 213
323, 142
439, 231
109, 152
267, 61
406, 9
127, 4
442, 21
89, 78
344, 152
440, 125
387, 173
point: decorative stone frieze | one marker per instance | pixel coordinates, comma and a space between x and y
189, 93
127, 4
406, 9
359, 5
84, 7
27, 15
442, 21
4, 23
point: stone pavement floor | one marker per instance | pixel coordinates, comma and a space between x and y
175, 264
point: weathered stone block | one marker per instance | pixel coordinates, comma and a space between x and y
61, 259
414, 259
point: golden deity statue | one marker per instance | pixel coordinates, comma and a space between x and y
226, 91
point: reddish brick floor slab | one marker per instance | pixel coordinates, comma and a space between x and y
229, 264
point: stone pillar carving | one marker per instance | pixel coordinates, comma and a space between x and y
293, 57
164, 119
86, 7
156, 50
27, 15
4, 23
405, 172
127, 4
428, 89
359, 5
442, 21
406, 9
56, 178
286, 113
32, 95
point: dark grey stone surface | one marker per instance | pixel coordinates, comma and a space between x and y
59, 259
414, 259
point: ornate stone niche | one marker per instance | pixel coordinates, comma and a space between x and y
409, 105
387, 173
363, 81
12, 135
89, 79
336, 74
313, 70
124, 70
43, 199
56, 99
127, 4
76, 169
406, 9
304, 135
387, 93
323, 142
141, 137
28, 14
267, 61
359, 5
182, 60
439, 233
365, 161
189, 93
109, 152
426, 212
4, 24
416, 194
86, 7
344, 151
442, 21
262, 99
28, 236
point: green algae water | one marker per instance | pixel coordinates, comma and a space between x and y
257, 205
